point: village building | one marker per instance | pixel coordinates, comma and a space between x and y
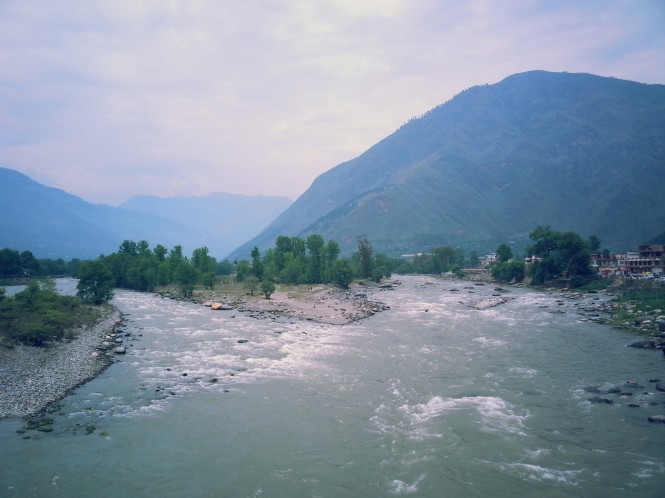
647, 262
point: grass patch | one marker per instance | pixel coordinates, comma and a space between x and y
638, 298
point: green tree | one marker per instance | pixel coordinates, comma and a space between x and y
442, 259
342, 273
315, 246
251, 284
267, 287
10, 263
129, 248
508, 271
243, 270
95, 282
224, 267
377, 273
504, 253
29, 264
257, 265
386, 264
186, 277
143, 248
160, 252
561, 255
474, 260
293, 272
202, 261
365, 252
298, 247
283, 244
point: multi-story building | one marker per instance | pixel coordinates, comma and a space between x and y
648, 261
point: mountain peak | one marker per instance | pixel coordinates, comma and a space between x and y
494, 162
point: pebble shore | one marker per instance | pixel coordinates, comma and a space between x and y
32, 378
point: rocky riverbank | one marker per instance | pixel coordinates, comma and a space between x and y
322, 304
33, 378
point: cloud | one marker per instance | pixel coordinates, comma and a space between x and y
113, 98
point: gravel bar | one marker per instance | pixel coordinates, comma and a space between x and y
31, 378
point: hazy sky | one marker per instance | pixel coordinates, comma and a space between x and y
111, 98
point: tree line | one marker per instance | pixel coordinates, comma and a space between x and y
38, 314
552, 255
313, 260
137, 266
15, 264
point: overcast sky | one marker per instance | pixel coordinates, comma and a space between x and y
111, 98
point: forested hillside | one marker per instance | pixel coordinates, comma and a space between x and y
575, 151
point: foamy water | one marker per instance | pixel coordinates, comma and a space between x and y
431, 398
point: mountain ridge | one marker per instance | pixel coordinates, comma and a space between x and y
53, 223
529, 150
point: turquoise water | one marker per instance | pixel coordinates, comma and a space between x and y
430, 398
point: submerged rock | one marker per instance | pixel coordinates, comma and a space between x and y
598, 399
606, 388
643, 345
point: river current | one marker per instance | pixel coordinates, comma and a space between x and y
430, 398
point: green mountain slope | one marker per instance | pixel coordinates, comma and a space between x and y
575, 151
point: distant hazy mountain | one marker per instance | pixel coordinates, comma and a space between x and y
236, 218
52, 223
576, 151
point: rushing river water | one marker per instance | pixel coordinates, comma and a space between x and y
430, 398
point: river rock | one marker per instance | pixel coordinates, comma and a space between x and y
643, 345
598, 399
657, 419
220, 307
120, 350
606, 388
660, 387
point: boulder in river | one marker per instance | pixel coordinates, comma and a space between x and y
643, 345
606, 388
120, 350
220, 307
657, 419
598, 399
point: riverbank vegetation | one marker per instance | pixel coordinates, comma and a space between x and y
553, 255
39, 315
637, 300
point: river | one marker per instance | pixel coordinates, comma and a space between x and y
431, 398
